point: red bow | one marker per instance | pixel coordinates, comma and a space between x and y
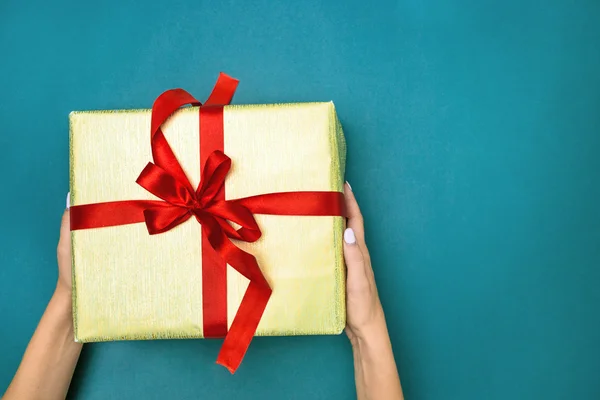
185, 202
166, 179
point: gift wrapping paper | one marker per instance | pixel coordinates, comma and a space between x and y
129, 285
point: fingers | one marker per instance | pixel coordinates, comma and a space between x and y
65, 224
355, 219
64, 242
355, 260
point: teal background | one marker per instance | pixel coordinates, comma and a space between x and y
473, 130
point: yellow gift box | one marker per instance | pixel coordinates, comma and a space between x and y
130, 285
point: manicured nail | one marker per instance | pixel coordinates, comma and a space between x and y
68, 200
349, 236
348, 183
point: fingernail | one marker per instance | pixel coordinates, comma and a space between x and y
348, 183
68, 200
349, 236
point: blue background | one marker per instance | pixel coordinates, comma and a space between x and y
473, 130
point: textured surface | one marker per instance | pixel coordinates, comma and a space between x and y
130, 285
473, 142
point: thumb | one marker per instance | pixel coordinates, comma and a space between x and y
65, 224
355, 261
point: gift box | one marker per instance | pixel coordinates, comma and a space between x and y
170, 206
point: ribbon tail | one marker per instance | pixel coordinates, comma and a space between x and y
253, 303
223, 91
244, 326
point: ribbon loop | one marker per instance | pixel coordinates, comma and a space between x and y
238, 214
163, 219
158, 182
166, 104
214, 172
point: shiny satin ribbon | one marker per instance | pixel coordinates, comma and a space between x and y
180, 201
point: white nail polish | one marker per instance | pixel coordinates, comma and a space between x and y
349, 236
348, 183
68, 200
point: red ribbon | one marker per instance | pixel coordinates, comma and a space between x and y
180, 201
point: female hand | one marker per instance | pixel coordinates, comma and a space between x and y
64, 252
364, 310
374, 365
49, 361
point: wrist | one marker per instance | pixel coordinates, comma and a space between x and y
371, 335
62, 295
